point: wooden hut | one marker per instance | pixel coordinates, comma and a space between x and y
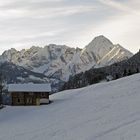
29, 94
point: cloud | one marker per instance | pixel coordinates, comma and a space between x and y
126, 6
124, 26
9, 2
50, 12
72, 22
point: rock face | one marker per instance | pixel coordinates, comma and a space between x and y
117, 70
60, 61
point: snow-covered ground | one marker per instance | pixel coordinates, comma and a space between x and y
105, 111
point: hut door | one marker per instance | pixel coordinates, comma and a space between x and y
29, 101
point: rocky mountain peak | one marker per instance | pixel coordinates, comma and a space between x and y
100, 42
61, 61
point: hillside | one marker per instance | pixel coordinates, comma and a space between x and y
14, 73
17, 74
105, 111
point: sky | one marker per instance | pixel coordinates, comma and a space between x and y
26, 23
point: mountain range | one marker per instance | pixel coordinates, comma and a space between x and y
57, 62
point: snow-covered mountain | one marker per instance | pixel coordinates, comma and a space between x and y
105, 111
60, 61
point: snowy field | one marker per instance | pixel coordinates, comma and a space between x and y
105, 111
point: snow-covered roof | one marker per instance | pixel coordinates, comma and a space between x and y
30, 87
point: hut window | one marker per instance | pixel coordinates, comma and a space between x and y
43, 94
18, 100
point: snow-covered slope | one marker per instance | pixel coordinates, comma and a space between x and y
18, 74
60, 61
105, 111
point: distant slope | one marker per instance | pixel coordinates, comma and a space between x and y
17, 74
106, 111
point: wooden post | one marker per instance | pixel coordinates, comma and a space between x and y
37, 101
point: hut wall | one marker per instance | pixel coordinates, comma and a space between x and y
28, 98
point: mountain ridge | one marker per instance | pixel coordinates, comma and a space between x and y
61, 61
